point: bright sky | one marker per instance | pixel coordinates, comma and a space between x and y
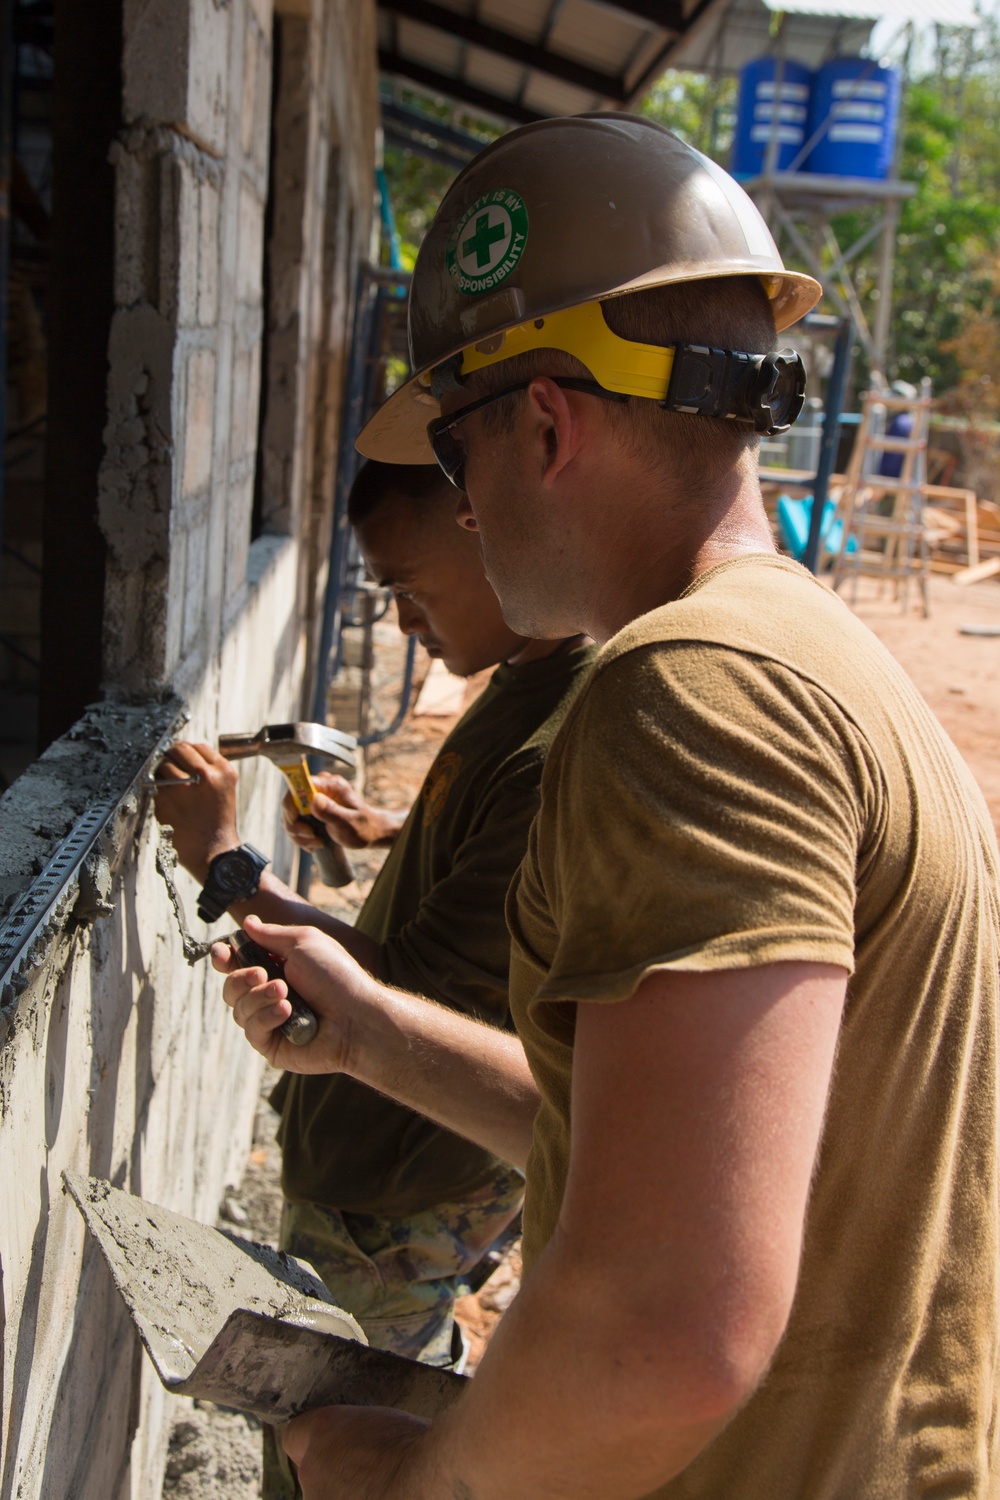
888, 37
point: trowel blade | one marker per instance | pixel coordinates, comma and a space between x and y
275, 1370
239, 1323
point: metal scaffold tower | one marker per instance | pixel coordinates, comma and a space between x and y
799, 208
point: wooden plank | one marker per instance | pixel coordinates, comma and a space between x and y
988, 569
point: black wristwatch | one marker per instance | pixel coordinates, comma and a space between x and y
233, 875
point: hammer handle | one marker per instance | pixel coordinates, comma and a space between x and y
302, 1024
331, 861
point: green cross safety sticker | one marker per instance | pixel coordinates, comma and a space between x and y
487, 242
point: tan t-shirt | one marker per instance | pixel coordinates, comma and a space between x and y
749, 777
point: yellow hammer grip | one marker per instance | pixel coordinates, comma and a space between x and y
303, 788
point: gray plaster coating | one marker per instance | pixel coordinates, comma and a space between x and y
73, 773
166, 865
79, 796
135, 479
181, 1280
231, 1321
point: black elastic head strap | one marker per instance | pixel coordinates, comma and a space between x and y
766, 390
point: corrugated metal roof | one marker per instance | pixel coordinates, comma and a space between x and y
523, 59
945, 12
520, 60
812, 30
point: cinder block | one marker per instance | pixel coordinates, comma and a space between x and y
263, 11
155, 60
174, 609
135, 186
187, 239
262, 112
196, 560
198, 426
136, 477
249, 253
253, 401
251, 52
165, 252
136, 629
209, 83
208, 253
238, 535
240, 431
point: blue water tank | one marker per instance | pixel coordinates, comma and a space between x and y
858, 102
767, 101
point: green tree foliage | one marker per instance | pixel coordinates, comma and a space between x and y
943, 274
417, 184
700, 109
416, 187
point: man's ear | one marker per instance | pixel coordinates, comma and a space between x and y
464, 515
558, 428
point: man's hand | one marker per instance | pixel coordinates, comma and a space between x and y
463, 1074
202, 816
336, 988
349, 819
355, 1453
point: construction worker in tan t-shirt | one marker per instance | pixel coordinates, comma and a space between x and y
755, 936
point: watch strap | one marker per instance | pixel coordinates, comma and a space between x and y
214, 899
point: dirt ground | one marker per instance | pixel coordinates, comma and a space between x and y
959, 675
216, 1453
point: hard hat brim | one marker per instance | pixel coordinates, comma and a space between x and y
397, 432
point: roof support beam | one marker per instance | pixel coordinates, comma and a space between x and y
661, 61
395, 136
444, 134
667, 15
456, 88
527, 54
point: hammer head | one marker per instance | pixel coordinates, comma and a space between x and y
284, 742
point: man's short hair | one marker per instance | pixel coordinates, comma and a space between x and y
376, 483
726, 312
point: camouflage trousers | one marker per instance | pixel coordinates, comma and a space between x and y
397, 1276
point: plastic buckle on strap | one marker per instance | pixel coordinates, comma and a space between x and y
765, 390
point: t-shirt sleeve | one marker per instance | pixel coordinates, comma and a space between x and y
709, 811
457, 947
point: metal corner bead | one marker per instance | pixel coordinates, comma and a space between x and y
75, 882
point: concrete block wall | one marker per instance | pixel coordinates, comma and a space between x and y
117, 1058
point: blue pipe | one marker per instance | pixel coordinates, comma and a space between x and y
388, 214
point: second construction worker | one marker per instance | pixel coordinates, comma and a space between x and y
390, 1208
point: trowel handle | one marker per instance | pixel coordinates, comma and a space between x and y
331, 861
301, 1025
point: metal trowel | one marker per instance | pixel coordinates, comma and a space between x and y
240, 1324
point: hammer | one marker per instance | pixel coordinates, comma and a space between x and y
288, 745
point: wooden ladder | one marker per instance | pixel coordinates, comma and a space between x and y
889, 542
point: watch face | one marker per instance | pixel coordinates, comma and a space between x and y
234, 873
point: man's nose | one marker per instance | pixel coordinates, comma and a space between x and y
411, 619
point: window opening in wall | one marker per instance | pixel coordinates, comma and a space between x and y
259, 508
60, 111
24, 259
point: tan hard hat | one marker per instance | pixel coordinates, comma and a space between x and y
563, 212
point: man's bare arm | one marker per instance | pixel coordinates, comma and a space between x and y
462, 1074
203, 819
657, 1306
